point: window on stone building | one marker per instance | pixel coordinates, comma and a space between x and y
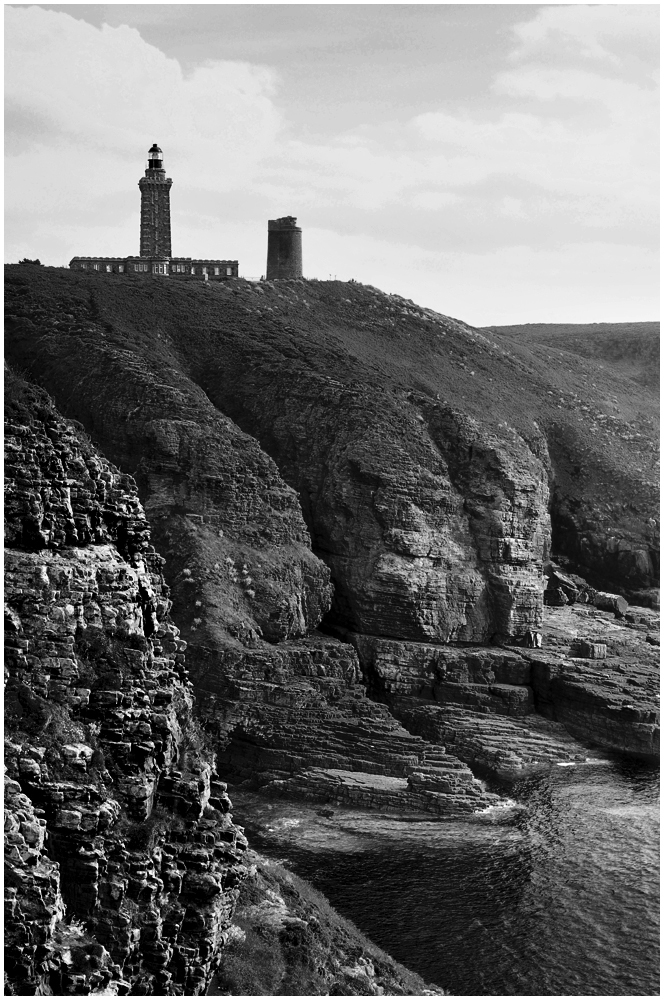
109, 267
193, 270
96, 267
229, 271
121, 268
216, 270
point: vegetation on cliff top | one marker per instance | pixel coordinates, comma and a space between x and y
630, 349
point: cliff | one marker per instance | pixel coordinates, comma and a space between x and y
122, 860
604, 445
353, 497
122, 863
284, 360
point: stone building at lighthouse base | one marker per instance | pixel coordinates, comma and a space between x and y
182, 268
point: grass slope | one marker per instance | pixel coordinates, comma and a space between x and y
632, 349
289, 941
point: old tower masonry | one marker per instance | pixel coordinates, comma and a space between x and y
155, 207
284, 248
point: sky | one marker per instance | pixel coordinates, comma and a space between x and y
496, 162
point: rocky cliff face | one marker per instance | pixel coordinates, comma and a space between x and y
434, 529
429, 508
508, 711
122, 856
603, 441
434, 526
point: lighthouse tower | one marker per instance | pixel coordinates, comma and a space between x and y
284, 248
155, 207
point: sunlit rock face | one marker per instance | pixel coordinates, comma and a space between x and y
434, 527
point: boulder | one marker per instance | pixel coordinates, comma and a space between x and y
555, 597
560, 581
589, 650
611, 602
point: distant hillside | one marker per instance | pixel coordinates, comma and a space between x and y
632, 348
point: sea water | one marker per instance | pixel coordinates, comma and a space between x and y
563, 903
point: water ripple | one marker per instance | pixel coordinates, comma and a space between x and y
563, 904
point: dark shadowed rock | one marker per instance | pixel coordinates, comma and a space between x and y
102, 883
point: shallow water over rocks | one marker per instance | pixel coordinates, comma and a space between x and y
561, 901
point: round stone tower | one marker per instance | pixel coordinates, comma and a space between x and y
284, 248
155, 207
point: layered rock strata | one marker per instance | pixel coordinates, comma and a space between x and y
295, 721
122, 856
611, 542
613, 701
497, 746
434, 527
485, 705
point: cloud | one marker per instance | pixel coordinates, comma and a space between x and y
600, 32
579, 140
86, 103
560, 155
434, 200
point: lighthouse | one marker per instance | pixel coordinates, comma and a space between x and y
155, 251
155, 207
